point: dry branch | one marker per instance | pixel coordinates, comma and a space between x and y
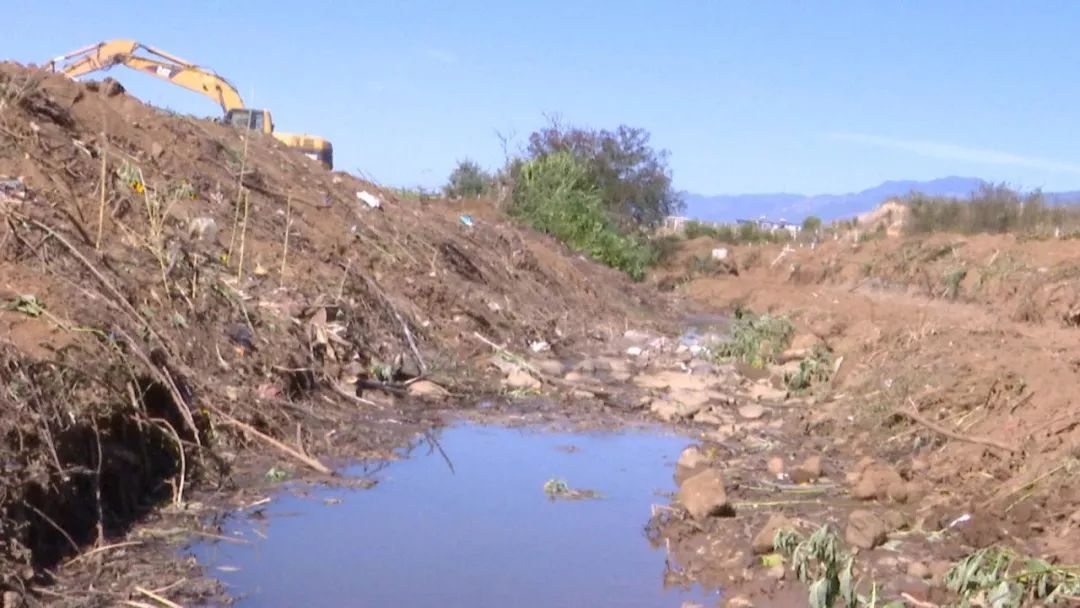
917, 417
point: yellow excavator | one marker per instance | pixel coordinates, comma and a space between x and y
160, 64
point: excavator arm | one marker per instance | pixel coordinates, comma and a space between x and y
158, 63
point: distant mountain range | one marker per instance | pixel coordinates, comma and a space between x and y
796, 207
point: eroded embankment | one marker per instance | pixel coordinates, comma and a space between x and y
180, 307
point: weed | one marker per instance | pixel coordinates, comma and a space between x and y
558, 488
821, 562
952, 280
998, 577
756, 340
814, 369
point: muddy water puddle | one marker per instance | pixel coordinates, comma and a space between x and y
484, 534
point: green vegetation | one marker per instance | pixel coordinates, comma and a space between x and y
821, 562
632, 179
556, 194
994, 209
811, 224
468, 180
1000, 578
816, 368
756, 340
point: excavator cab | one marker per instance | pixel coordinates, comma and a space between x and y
256, 120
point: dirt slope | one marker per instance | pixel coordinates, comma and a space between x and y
161, 313
975, 335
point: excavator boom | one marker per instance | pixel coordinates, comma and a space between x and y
167, 66
160, 64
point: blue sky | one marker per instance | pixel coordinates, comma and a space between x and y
767, 96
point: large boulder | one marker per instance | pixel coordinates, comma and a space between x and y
703, 495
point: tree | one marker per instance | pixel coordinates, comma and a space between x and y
811, 224
634, 179
467, 180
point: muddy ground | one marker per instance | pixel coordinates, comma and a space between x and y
184, 312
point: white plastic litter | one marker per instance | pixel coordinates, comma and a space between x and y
369, 198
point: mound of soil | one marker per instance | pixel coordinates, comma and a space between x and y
177, 299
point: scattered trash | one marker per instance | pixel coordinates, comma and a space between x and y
539, 346
634, 351
558, 488
966, 517
467, 220
277, 474
720, 253
12, 189
369, 198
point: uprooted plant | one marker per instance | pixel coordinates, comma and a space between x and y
1000, 578
756, 340
821, 562
814, 369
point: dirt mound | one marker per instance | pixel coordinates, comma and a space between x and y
171, 293
953, 359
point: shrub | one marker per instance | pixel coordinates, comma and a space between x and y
994, 209
633, 179
694, 230
556, 194
467, 180
756, 340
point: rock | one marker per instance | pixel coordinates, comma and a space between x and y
13, 600
521, 379
427, 388
703, 495
738, 602
667, 411
807, 472
575, 377
897, 492
672, 380
764, 391
689, 604
776, 572
709, 416
751, 411
697, 399
876, 480
776, 467
918, 570
636, 336
578, 393
763, 541
683, 411
702, 368
111, 88
691, 458
156, 150
918, 465
895, 520
550, 367
865, 530
634, 351
938, 570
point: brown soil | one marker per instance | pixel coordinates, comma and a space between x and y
150, 381
957, 362
152, 373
